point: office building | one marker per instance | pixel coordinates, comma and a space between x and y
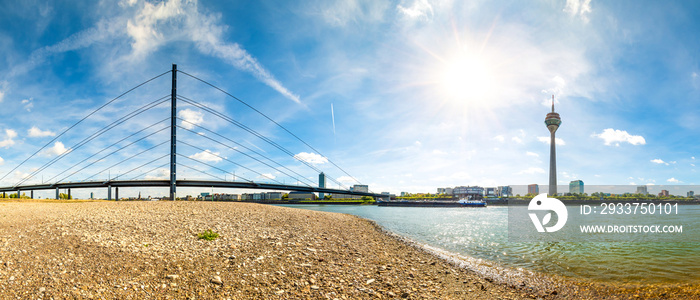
321, 183
504, 191
446, 191
533, 189
491, 192
642, 189
576, 187
302, 196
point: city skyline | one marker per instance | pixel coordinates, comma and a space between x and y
404, 95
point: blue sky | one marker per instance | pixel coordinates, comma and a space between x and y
424, 94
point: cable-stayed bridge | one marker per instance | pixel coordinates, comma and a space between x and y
149, 154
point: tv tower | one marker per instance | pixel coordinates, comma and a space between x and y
552, 121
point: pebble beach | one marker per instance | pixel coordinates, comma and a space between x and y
151, 250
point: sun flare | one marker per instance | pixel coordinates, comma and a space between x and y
467, 78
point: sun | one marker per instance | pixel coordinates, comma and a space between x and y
467, 78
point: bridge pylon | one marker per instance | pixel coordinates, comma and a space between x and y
173, 132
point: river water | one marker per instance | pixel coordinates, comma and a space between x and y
482, 233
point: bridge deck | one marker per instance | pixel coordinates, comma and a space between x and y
184, 183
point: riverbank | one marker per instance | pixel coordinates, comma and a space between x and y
135, 250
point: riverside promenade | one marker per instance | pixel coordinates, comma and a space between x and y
150, 250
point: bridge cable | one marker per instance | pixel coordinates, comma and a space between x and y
127, 172
220, 169
205, 173
135, 155
271, 120
253, 132
149, 171
81, 120
115, 151
226, 159
241, 152
105, 148
95, 135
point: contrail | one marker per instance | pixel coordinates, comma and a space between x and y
333, 118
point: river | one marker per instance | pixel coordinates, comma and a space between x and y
482, 233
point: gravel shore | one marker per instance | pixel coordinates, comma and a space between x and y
137, 250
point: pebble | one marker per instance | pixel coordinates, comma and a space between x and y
216, 280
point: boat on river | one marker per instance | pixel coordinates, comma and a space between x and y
472, 203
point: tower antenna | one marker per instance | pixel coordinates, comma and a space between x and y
552, 103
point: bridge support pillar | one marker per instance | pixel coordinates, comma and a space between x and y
69, 197
57, 194
109, 192
18, 194
116, 193
31, 195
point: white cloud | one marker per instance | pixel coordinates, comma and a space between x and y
28, 104
532, 170
579, 8
342, 13
499, 138
201, 29
546, 140
517, 140
267, 176
613, 136
9, 136
160, 174
207, 156
2, 161
57, 149
659, 161
3, 90
673, 180
558, 90
191, 117
83, 39
142, 29
345, 179
532, 154
312, 158
419, 9
36, 132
